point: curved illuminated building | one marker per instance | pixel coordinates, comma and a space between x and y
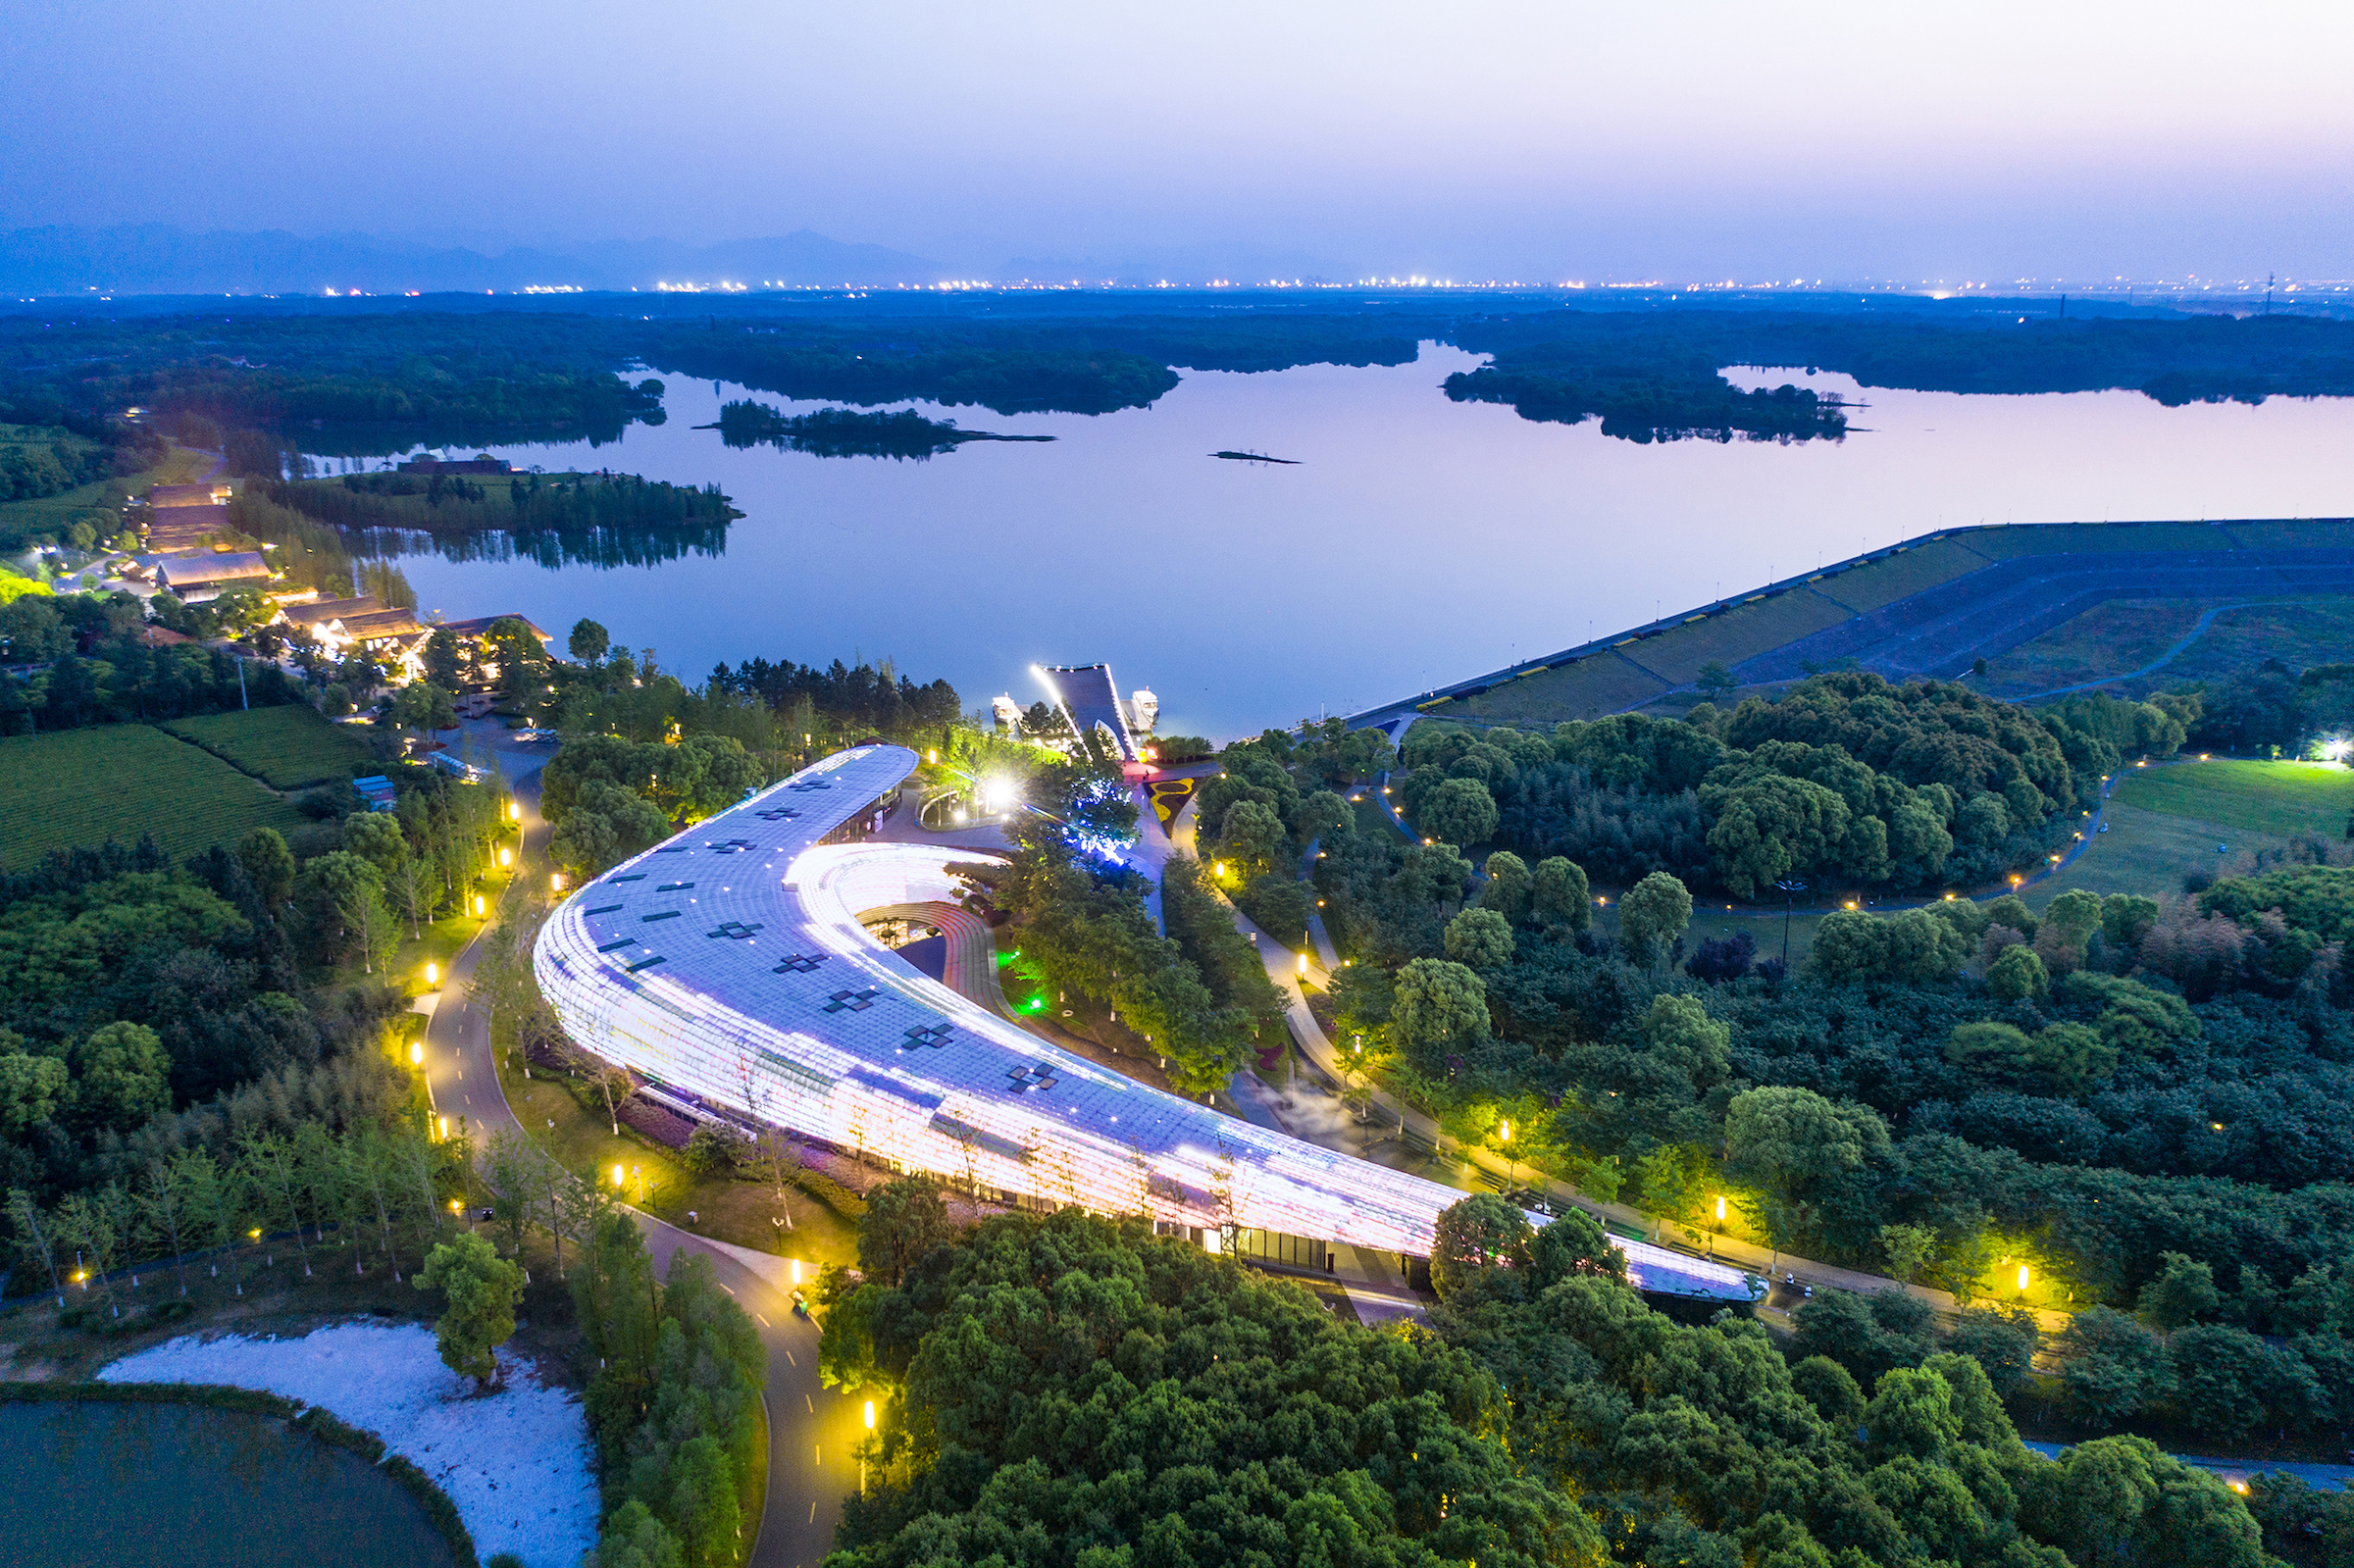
729, 969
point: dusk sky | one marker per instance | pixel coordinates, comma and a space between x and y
1548, 141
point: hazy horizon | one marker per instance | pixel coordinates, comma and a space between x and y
1532, 143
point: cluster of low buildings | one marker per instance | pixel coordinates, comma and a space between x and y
185, 521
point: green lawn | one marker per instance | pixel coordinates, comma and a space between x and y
2284, 799
2109, 640
1713, 920
83, 786
285, 747
2145, 852
2164, 821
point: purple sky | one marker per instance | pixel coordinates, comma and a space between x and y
1690, 141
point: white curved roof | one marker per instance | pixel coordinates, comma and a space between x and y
728, 964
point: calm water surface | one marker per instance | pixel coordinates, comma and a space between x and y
1418, 540
100, 1484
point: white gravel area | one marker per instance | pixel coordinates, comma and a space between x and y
517, 1463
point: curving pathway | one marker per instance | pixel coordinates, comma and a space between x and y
812, 1430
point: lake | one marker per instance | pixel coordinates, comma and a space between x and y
1418, 541
142, 1486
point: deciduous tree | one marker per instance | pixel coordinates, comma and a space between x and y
479, 1288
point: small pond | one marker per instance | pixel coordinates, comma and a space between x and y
100, 1484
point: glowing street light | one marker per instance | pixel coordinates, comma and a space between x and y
2022, 1277
433, 973
619, 1176
870, 1415
479, 905
416, 1054
555, 881
506, 857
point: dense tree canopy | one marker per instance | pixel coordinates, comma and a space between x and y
1073, 1388
1077, 1390
1844, 781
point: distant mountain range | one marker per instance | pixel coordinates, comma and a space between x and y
1245, 264
159, 258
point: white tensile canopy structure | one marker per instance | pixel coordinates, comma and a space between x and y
728, 965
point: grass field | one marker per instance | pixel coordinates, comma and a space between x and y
1910, 570
2101, 644
2166, 821
2125, 634
2146, 852
1596, 685
285, 747
2283, 799
1740, 631
83, 786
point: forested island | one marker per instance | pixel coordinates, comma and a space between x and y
844, 433
455, 504
372, 381
1003, 379
1654, 376
324, 530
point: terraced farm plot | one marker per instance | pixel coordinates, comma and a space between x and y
285, 747
83, 787
2284, 799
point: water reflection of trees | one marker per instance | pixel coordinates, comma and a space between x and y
606, 548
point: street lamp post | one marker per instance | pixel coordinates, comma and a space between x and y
1791, 889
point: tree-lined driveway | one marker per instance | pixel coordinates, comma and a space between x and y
812, 1431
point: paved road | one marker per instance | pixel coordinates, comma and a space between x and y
2319, 1477
810, 1464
